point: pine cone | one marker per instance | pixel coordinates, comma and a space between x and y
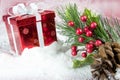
106, 61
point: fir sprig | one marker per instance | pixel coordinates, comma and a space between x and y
107, 30
69, 13
99, 32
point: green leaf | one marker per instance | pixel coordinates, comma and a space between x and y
80, 63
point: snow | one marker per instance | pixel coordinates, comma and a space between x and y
48, 63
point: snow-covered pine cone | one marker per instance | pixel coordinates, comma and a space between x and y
106, 61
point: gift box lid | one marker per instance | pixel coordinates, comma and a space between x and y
20, 20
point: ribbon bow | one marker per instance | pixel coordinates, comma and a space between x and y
21, 9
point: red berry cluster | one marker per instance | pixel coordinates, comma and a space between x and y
74, 50
88, 31
90, 46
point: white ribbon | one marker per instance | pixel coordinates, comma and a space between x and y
13, 36
21, 9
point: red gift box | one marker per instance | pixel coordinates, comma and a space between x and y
27, 31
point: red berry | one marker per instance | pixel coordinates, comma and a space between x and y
98, 43
83, 18
89, 50
84, 54
89, 33
93, 25
79, 31
74, 48
81, 39
91, 42
89, 46
71, 23
86, 29
74, 53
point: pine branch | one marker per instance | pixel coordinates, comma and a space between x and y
69, 13
116, 26
107, 30
111, 28
99, 31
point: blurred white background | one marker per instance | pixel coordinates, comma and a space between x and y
106, 7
